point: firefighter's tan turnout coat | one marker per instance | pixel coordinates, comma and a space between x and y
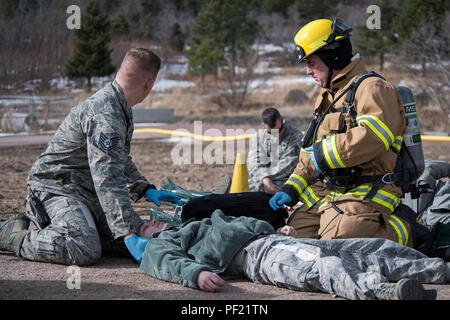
343, 141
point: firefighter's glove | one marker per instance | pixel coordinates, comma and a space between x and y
278, 199
312, 157
136, 246
157, 195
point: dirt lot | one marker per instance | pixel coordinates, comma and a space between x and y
115, 278
152, 157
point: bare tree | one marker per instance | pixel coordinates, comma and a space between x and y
236, 78
432, 50
33, 46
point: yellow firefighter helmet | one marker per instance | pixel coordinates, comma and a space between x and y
320, 34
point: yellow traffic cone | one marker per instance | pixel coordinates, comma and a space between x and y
239, 183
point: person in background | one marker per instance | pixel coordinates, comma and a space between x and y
273, 153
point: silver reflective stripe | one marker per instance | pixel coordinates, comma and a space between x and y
358, 191
398, 143
378, 128
331, 154
297, 182
382, 197
386, 201
400, 228
309, 197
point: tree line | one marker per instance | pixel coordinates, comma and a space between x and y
217, 36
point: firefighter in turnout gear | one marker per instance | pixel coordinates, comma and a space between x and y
346, 147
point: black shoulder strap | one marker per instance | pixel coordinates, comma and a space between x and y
351, 94
350, 91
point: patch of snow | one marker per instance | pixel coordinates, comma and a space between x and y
267, 48
168, 84
61, 83
263, 67
281, 81
31, 85
174, 69
179, 58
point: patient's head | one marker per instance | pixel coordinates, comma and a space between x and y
148, 228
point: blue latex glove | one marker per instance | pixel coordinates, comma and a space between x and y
136, 246
312, 157
156, 195
278, 199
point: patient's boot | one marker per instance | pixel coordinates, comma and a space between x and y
185, 195
405, 289
13, 232
223, 185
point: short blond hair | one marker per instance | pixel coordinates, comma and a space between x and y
145, 59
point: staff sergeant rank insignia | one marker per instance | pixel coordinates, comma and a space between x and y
108, 144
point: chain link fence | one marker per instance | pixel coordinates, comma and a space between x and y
33, 114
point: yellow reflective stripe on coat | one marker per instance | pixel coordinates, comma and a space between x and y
361, 190
298, 182
331, 153
309, 197
398, 143
399, 226
323, 203
386, 199
378, 127
382, 197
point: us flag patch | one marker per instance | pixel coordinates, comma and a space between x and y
108, 144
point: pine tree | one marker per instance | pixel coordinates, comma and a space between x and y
91, 57
119, 25
413, 13
421, 26
222, 28
280, 6
176, 40
311, 10
9, 8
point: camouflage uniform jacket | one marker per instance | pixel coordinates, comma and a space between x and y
264, 161
88, 159
180, 253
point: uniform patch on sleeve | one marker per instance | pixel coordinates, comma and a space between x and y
108, 143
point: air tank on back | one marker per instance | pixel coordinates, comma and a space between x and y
411, 136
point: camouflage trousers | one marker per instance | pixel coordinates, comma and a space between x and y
349, 268
77, 235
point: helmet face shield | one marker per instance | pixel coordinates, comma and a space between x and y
340, 28
300, 52
340, 31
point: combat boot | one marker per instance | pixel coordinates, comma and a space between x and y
223, 185
405, 289
185, 195
13, 232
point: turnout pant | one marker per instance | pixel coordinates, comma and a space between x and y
350, 219
77, 235
349, 268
